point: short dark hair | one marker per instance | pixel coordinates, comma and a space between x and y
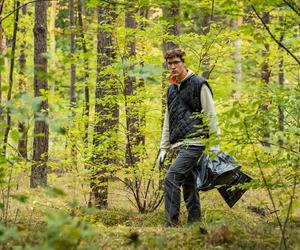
175, 53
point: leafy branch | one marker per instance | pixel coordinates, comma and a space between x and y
280, 44
296, 10
34, 1
282, 228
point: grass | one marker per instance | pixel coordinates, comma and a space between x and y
250, 224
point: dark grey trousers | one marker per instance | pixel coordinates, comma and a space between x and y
181, 174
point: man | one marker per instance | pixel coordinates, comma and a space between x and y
187, 95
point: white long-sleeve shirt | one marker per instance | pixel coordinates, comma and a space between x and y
208, 108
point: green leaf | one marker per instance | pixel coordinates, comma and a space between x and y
54, 191
58, 129
20, 197
14, 134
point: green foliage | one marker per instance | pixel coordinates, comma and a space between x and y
8, 235
248, 111
64, 232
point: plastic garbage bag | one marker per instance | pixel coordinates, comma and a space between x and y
222, 172
214, 171
232, 196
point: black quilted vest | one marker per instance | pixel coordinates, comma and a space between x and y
183, 103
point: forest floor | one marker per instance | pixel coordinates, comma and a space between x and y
57, 221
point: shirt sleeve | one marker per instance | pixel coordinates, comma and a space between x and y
208, 108
165, 137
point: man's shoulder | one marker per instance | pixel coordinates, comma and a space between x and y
197, 79
200, 82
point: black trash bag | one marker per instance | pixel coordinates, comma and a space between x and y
217, 171
232, 196
222, 171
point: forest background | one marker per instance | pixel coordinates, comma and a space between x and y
82, 95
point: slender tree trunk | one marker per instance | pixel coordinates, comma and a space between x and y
171, 10
86, 111
265, 69
142, 121
106, 108
52, 26
52, 40
281, 81
11, 71
1, 53
134, 117
72, 52
237, 44
205, 28
41, 130
171, 15
22, 143
265, 77
72, 76
131, 106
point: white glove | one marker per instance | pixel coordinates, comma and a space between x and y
161, 157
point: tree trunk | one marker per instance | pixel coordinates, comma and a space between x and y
72, 77
52, 39
265, 77
171, 15
281, 81
265, 70
132, 112
205, 28
52, 26
72, 52
237, 44
11, 71
22, 143
1, 53
143, 12
171, 11
106, 109
86, 111
41, 130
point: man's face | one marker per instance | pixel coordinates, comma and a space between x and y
176, 67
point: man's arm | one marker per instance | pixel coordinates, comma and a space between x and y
208, 108
165, 141
165, 137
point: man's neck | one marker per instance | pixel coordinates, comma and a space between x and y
181, 77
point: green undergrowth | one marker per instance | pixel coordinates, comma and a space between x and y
80, 228
219, 229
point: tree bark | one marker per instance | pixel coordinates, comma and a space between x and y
106, 109
265, 77
205, 28
52, 26
132, 112
86, 111
171, 10
41, 130
237, 44
281, 80
265, 69
72, 76
1, 53
72, 52
11, 71
22, 143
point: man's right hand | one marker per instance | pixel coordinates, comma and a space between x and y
161, 157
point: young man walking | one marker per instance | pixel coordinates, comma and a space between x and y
187, 95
